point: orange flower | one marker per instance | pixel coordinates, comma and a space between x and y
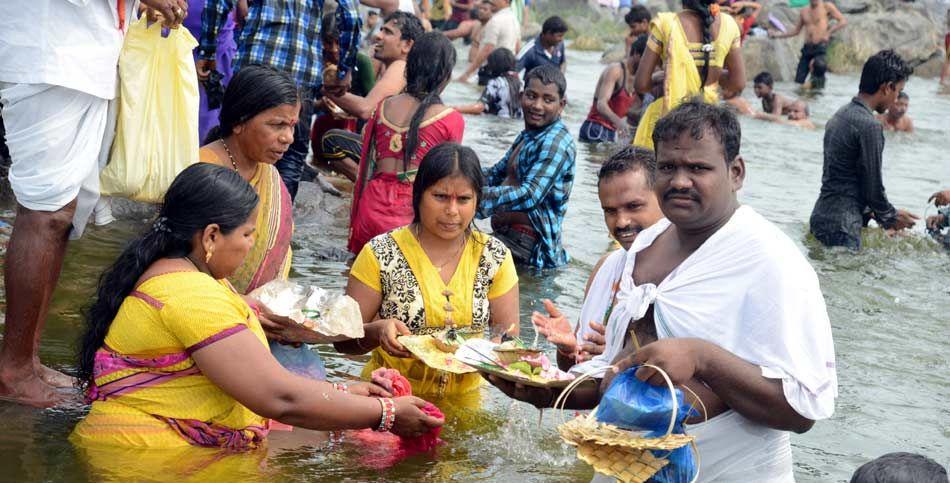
714, 9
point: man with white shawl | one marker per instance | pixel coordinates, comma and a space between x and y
625, 188
738, 312
58, 73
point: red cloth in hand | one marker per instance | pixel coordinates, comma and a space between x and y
387, 448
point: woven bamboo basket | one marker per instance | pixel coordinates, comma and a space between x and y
619, 453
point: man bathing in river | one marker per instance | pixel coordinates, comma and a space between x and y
740, 320
797, 115
815, 19
625, 187
852, 186
896, 118
526, 193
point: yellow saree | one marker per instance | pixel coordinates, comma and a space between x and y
679, 56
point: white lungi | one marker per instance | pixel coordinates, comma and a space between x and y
58, 73
55, 136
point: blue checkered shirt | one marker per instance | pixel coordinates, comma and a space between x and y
284, 34
546, 174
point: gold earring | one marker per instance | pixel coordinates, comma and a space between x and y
208, 255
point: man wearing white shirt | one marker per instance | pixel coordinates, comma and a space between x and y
724, 303
58, 73
502, 31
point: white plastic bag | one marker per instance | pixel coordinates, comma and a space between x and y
325, 313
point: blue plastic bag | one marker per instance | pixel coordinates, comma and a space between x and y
299, 360
633, 404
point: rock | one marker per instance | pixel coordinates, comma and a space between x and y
585, 42
775, 56
912, 29
908, 31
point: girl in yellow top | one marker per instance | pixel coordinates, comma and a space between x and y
698, 48
172, 356
402, 275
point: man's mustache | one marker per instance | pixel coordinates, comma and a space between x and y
692, 194
626, 230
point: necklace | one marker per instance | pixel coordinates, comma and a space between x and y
188, 257
233, 163
449, 260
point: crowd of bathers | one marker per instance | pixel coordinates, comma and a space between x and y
176, 350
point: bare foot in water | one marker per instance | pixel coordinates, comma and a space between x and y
29, 390
55, 378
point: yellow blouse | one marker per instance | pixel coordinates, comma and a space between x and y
175, 312
395, 265
663, 26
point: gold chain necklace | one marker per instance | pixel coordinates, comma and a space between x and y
453, 257
233, 163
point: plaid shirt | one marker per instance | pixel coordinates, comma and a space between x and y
546, 174
284, 34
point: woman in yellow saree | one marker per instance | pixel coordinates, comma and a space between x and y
259, 113
698, 48
172, 357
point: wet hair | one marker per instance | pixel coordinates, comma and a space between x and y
630, 158
881, 68
328, 28
637, 13
554, 25
410, 28
764, 78
547, 74
428, 69
442, 161
201, 195
696, 119
639, 46
900, 468
702, 8
253, 89
501, 63
904, 95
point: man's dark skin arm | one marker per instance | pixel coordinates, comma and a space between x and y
739, 384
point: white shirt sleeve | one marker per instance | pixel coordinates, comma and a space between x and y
810, 405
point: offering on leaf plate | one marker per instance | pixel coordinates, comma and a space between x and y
531, 367
424, 348
515, 350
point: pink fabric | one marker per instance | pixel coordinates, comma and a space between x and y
386, 449
211, 435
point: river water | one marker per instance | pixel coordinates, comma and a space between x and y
888, 304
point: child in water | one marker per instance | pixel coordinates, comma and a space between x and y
502, 94
797, 115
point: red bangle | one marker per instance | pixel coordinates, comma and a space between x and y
388, 417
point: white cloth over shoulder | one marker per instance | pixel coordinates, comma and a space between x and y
749, 290
600, 294
68, 43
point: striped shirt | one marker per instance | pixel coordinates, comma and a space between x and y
284, 34
546, 175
